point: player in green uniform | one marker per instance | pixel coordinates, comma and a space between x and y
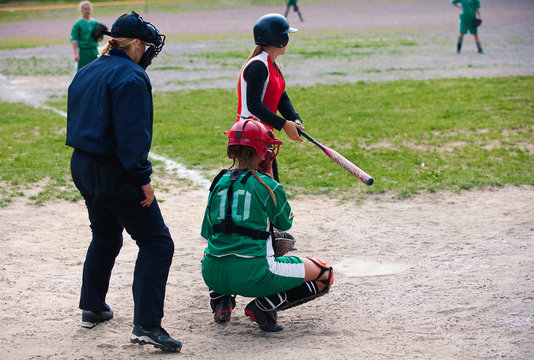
243, 206
470, 12
293, 3
83, 44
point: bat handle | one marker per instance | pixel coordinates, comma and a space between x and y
302, 133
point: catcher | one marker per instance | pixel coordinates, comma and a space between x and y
243, 205
470, 20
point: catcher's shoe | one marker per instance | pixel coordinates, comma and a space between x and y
222, 310
265, 320
156, 336
90, 318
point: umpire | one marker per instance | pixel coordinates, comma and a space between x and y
109, 125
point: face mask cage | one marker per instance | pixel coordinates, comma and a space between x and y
273, 146
151, 52
154, 47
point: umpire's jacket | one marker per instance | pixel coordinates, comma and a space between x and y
110, 112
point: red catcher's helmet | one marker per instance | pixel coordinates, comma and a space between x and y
256, 135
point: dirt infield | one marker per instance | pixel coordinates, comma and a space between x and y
439, 276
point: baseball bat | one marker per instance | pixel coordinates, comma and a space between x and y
341, 161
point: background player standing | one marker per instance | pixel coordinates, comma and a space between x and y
83, 43
470, 11
293, 3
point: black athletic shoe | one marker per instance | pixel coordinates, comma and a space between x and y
223, 309
91, 318
265, 320
156, 336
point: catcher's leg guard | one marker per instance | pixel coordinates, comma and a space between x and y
266, 320
222, 306
300, 294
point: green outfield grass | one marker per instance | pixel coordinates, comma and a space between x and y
411, 136
32, 149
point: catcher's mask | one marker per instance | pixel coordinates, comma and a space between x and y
256, 135
133, 26
272, 29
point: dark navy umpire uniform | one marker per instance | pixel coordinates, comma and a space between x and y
109, 125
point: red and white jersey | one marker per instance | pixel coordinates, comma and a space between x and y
272, 90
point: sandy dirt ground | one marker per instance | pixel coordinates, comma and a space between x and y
438, 276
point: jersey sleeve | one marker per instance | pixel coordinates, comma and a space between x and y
75, 32
286, 108
280, 214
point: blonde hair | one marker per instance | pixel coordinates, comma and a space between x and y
83, 3
255, 52
242, 155
126, 44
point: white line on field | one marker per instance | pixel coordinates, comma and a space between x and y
51, 108
190, 174
20, 95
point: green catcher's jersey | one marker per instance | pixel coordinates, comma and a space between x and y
469, 7
81, 32
253, 208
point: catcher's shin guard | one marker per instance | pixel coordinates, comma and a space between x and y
301, 294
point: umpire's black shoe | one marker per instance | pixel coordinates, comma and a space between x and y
156, 336
91, 318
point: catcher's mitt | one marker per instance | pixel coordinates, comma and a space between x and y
283, 243
99, 31
477, 22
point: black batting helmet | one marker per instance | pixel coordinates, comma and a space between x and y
272, 29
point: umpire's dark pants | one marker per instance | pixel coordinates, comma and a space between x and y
109, 216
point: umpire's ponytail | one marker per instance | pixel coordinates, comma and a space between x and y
125, 44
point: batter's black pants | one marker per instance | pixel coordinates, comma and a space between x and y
109, 216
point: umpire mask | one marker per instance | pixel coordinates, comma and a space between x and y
133, 26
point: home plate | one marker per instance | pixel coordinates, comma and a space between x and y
356, 268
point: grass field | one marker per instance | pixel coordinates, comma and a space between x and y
411, 136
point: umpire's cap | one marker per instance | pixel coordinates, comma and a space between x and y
272, 29
133, 26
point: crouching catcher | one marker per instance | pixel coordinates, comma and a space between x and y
243, 206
